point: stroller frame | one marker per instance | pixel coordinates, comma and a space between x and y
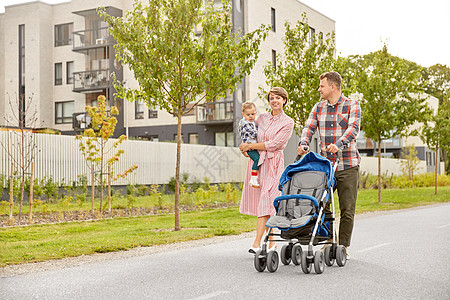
292, 251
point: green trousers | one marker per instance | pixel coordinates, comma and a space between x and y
347, 188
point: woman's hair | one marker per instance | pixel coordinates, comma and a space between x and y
279, 91
247, 105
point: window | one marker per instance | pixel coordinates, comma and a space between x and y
63, 112
312, 32
139, 109
274, 59
63, 34
58, 73
193, 138
273, 19
69, 72
152, 114
224, 139
175, 137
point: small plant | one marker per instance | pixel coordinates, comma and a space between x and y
131, 189
207, 183
4, 206
200, 196
141, 190
411, 162
50, 188
156, 195
131, 200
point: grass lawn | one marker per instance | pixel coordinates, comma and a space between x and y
43, 242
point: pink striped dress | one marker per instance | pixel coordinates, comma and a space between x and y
274, 132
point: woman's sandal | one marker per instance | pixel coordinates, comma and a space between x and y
253, 250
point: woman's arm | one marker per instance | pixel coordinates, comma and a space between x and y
244, 147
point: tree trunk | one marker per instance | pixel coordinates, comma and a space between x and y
379, 171
435, 171
177, 175
30, 213
22, 166
22, 192
92, 188
11, 191
101, 177
109, 189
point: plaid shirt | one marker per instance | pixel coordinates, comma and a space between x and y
339, 125
248, 131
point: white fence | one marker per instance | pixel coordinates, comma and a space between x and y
59, 157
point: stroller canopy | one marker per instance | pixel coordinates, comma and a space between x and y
310, 162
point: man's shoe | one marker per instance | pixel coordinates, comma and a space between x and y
346, 251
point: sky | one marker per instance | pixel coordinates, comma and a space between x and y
415, 30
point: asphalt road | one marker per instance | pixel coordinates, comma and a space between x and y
400, 255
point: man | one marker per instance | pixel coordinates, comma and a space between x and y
337, 119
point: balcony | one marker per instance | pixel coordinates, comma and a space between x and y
215, 112
92, 38
81, 121
88, 81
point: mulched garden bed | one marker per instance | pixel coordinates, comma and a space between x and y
86, 215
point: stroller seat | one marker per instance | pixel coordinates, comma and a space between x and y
299, 203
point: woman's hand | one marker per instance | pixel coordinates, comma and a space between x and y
244, 147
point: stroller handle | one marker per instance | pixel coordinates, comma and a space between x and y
299, 156
338, 156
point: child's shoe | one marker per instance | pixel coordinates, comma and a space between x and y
254, 182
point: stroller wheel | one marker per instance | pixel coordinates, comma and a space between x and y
285, 254
327, 255
341, 256
296, 254
319, 264
260, 261
272, 261
306, 265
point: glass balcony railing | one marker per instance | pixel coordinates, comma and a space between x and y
90, 38
89, 80
221, 111
81, 121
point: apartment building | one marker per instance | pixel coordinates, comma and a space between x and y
393, 147
62, 56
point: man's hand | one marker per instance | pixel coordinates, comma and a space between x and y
302, 150
332, 148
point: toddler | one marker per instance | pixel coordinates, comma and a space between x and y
248, 131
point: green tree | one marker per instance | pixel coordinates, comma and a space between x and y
410, 163
437, 79
437, 84
305, 58
390, 95
95, 149
176, 66
436, 132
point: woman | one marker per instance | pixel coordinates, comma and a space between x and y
274, 131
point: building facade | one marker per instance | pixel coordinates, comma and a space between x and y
62, 56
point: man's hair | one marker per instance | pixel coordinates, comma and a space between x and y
279, 91
247, 105
332, 78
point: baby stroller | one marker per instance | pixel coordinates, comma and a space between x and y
307, 186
